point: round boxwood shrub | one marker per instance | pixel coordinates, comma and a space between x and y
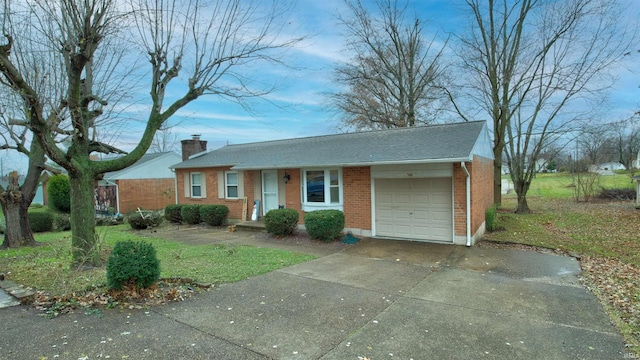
59, 192
62, 222
325, 225
281, 222
172, 213
132, 263
145, 220
41, 221
214, 215
190, 214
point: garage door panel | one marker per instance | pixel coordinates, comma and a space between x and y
403, 215
420, 215
418, 209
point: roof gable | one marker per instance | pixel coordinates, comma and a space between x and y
435, 143
149, 166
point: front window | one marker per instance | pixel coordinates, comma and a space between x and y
196, 185
322, 188
231, 184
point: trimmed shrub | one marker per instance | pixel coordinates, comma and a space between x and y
281, 222
190, 214
41, 221
62, 222
325, 225
491, 219
214, 215
146, 220
59, 191
132, 263
109, 220
172, 213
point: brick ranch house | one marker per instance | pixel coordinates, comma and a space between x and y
430, 183
147, 184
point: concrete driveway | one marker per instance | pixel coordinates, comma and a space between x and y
378, 299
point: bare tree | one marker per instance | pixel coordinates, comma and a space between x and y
165, 139
593, 140
209, 43
532, 64
391, 79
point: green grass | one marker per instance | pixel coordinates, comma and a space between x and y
47, 267
562, 185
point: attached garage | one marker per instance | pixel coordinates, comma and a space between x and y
414, 208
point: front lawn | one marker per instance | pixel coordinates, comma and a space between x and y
47, 267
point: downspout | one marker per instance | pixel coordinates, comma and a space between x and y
468, 185
175, 184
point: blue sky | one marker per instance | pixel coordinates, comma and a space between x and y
299, 107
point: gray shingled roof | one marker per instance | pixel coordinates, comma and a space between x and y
435, 143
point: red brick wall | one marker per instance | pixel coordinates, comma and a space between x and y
460, 199
292, 193
481, 171
481, 190
211, 179
357, 197
147, 194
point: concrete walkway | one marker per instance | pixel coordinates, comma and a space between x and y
380, 299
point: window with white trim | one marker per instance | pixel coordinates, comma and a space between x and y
231, 184
196, 185
322, 188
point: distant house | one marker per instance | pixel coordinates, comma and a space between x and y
147, 184
607, 168
431, 183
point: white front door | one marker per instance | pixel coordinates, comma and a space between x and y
269, 190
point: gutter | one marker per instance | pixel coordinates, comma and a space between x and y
468, 186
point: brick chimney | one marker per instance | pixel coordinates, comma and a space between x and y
193, 146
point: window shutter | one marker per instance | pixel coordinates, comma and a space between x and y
240, 184
203, 185
221, 184
187, 185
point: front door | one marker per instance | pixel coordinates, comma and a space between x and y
269, 190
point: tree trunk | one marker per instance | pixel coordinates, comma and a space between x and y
521, 188
84, 245
497, 177
15, 206
12, 233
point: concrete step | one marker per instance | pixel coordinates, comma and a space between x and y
19, 292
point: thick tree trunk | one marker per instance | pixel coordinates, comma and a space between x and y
521, 188
15, 207
84, 245
12, 233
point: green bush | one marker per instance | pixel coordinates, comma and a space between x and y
109, 220
145, 220
281, 222
62, 222
59, 192
41, 221
2, 225
214, 215
190, 214
172, 213
491, 218
132, 263
325, 225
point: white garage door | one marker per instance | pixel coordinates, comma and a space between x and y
419, 209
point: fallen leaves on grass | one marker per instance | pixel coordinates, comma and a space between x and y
618, 285
164, 291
